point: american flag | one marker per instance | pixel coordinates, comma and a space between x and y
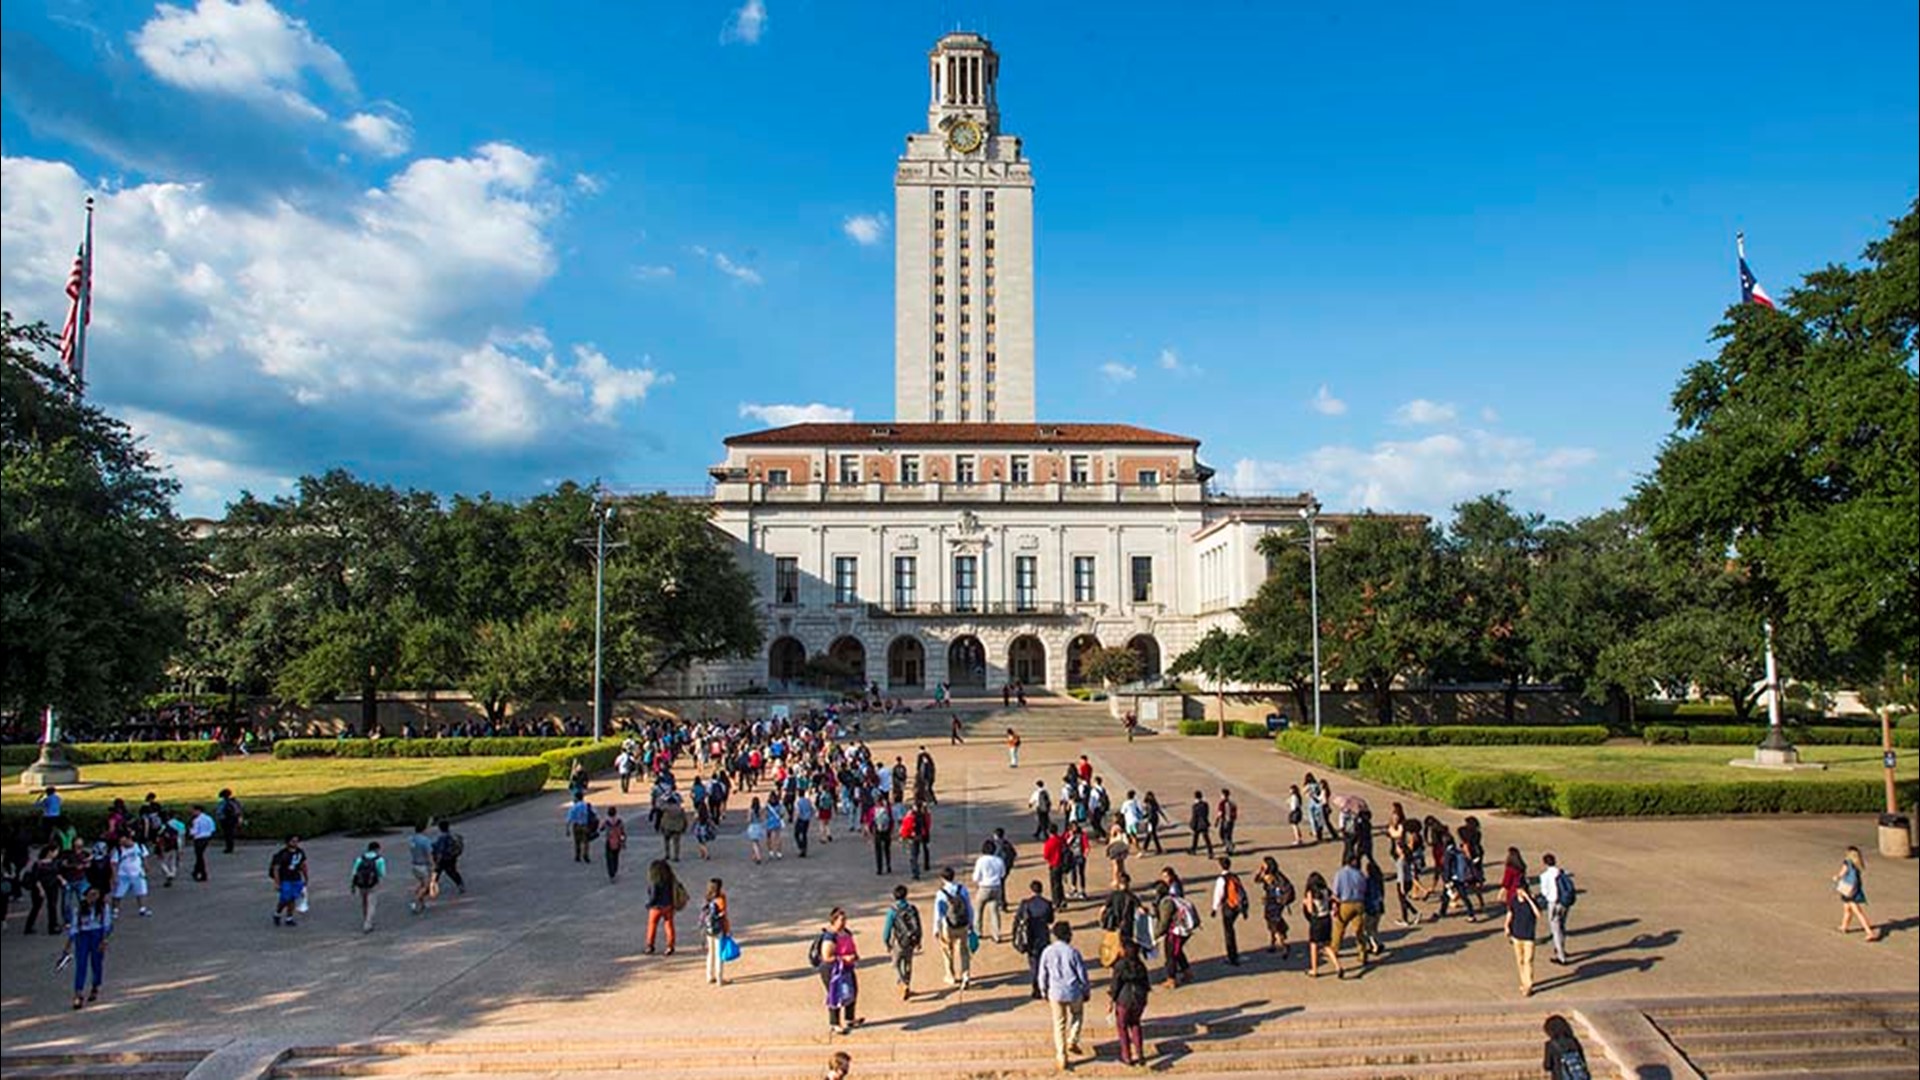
78, 315
1750, 290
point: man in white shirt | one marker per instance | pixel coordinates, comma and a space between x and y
1553, 889
130, 874
1134, 817
200, 830
989, 885
1041, 804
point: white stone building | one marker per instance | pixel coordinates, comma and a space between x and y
964, 542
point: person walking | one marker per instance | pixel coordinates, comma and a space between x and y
673, 829
953, 731
87, 934
613, 841
166, 844
912, 831
447, 849
953, 923
1178, 921
1375, 907
990, 888
1294, 810
1406, 871
1563, 1058
1226, 815
1230, 905
44, 887
716, 927
1318, 908
288, 871
1850, 883
129, 865
1154, 818
1127, 1000
1032, 923
838, 961
1118, 850
200, 830
1054, 853
369, 870
901, 934
1350, 908
1459, 879
1065, 985
581, 826
756, 829
802, 823
1013, 749
231, 818
1041, 803
420, 861
776, 822
1117, 919
1200, 821
1513, 875
1276, 895
1523, 927
880, 830
665, 895
1556, 888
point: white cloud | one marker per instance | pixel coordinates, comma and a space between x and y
202, 457
240, 48
1489, 415
746, 275
289, 332
747, 23
1420, 411
1116, 372
865, 229
653, 272
588, 184
1169, 360
1326, 404
383, 135
782, 415
1429, 474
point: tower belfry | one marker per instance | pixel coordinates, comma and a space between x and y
963, 251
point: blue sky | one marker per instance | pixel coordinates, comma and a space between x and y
1399, 257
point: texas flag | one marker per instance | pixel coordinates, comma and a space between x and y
1750, 290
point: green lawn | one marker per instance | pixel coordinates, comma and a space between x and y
1641, 763
259, 781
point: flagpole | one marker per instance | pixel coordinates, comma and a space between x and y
86, 308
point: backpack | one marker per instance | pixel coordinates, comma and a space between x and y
1236, 894
1187, 916
366, 872
1568, 894
906, 931
1283, 891
456, 846
1570, 1063
882, 819
816, 952
958, 917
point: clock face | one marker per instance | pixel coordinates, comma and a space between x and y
965, 136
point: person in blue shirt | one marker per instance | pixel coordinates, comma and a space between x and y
369, 870
87, 935
1065, 984
1851, 884
580, 826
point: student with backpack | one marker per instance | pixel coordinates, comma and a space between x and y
1230, 904
665, 896
1041, 803
369, 870
717, 928
1565, 1058
953, 918
613, 841
231, 818
880, 829
1179, 921
583, 826
902, 934
1556, 888
447, 849
1276, 897
1032, 922
834, 955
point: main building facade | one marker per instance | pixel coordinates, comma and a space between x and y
964, 542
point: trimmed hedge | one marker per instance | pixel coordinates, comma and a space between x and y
1751, 734
1585, 798
350, 809
597, 757
1238, 729
1473, 735
1334, 753
1458, 788
102, 753
412, 748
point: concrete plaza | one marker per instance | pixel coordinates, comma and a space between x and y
542, 947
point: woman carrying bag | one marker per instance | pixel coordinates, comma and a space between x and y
1127, 1001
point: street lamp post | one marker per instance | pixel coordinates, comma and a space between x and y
603, 512
1310, 513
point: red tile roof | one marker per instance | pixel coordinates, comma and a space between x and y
882, 433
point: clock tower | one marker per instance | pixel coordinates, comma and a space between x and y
963, 251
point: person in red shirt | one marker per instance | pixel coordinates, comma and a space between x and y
1513, 877
1085, 769
1054, 851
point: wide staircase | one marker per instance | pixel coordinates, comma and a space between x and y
1843, 1037
1044, 718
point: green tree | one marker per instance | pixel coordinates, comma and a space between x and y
90, 548
1222, 657
1279, 619
1595, 584
1797, 449
1493, 549
1111, 665
1386, 607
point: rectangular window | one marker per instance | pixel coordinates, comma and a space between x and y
1083, 579
910, 468
1026, 582
786, 580
963, 469
849, 468
1022, 464
966, 583
904, 572
1149, 477
1142, 579
779, 477
1079, 470
846, 579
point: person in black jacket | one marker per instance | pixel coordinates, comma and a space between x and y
1201, 822
1032, 930
1127, 995
1564, 1057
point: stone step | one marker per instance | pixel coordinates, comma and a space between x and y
1732, 1041
1866, 1072
1806, 1061
13, 1068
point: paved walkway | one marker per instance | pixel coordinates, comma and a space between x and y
543, 945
